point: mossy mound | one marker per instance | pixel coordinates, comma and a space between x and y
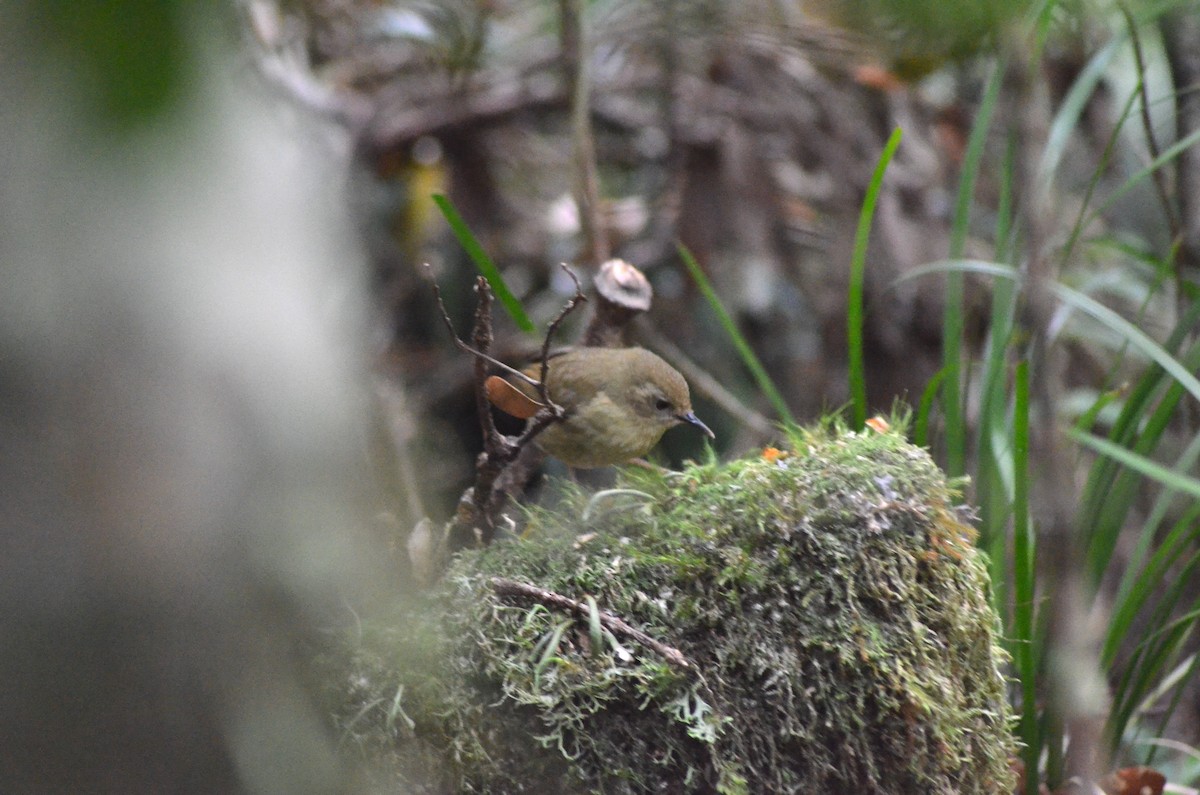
829, 601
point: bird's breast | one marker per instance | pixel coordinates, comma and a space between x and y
600, 433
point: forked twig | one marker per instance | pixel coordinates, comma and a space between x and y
553, 328
480, 507
551, 411
462, 346
511, 588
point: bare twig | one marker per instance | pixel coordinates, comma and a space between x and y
511, 588
474, 521
481, 336
1180, 28
552, 412
575, 300
514, 478
479, 508
496, 446
462, 346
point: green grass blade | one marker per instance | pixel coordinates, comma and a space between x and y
1072, 107
743, 347
1087, 420
482, 261
1148, 467
993, 408
1110, 147
1142, 583
952, 315
858, 261
595, 630
1024, 581
1156, 654
1141, 580
1183, 673
1111, 489
1052, 727
982, 267
1136, 336
921, 427
1085, 304
993, 475
1169, 154
1124, 486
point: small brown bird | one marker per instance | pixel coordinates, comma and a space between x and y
618, 402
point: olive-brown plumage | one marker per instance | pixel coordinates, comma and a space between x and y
618, 402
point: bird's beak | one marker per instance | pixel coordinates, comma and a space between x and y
691, 419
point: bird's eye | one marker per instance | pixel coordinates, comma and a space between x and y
662, 404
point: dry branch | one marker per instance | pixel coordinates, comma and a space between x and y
511, 588
480, 506
1055, 494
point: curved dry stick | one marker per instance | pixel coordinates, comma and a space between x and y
511, 588
576, 299
462, 346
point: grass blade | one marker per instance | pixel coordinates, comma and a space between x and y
1167, 156
858, 261
993, 481
1148, 467
1024, 581
921, 427
1143, 583
1138, 338
952, 315
1142, 578
1067, 117
1077, 300
1180, 674
743, 347
482, 261
1120, 487
1156, 654
1112, 490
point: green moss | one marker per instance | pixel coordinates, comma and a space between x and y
829, 599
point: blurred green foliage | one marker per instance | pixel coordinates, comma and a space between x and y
920, 36
128, 59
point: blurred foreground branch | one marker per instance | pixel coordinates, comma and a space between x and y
1181, 31
1078, 691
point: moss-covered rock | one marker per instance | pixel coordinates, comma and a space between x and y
833, 611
